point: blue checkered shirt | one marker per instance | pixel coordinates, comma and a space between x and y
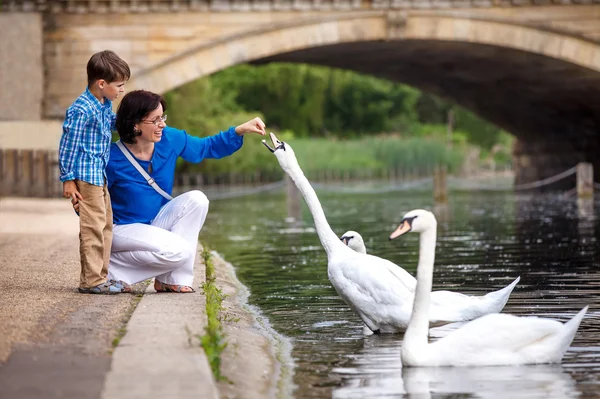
85, 143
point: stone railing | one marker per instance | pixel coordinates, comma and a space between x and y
29, 173
142, 6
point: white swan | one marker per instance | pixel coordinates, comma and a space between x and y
457, 307
491, 340
380, 292
354, 241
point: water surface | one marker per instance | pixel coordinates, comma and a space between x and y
485, 240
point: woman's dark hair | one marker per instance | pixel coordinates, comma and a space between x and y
134, 107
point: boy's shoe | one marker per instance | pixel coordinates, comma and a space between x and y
121, 284
106, 288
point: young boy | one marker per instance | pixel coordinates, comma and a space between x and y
83, 155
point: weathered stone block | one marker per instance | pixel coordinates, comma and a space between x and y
21, 69
241, 5
400, 4
261, 5
441, 3
282, 5
380, 4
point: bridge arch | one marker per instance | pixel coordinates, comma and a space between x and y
539, 84
261, 43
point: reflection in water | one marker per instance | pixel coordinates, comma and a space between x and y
585, 208
542, 381
379, 373
539, 381
485, 240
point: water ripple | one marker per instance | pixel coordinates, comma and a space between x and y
485, 240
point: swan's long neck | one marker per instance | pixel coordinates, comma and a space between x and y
328, 238
416, 333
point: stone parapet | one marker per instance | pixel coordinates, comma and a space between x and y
128, 6
30, 135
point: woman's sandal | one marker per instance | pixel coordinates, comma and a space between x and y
162, 287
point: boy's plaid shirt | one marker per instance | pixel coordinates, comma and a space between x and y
85, 143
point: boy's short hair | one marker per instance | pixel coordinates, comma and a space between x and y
107, 65
133, 108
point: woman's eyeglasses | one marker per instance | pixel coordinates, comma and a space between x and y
157, 121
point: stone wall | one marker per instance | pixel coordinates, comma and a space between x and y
542, 160
117, 6
21, 69
32, 135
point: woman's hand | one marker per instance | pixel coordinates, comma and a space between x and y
255, 125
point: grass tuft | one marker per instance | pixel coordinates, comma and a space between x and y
213, 341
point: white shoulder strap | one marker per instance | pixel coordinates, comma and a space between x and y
135, 163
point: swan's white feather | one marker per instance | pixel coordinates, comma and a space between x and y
491, 340
379, 291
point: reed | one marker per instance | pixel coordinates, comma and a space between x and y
347, 159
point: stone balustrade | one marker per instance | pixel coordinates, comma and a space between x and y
149, 6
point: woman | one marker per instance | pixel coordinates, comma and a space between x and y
155, 237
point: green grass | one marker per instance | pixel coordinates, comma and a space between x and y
213, 341
370, 157
123, 329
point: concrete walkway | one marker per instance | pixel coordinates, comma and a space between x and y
57, 343
159, 356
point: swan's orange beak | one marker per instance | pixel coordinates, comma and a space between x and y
404, 228
274, 140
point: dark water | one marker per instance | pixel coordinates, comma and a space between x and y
485, 240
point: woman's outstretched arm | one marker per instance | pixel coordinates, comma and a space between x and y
195, 149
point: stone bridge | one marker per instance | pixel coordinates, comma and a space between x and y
531, 67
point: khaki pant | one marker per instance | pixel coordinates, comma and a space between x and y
95, 233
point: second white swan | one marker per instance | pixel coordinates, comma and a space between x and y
491, 340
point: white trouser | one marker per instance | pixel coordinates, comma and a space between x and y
165, 249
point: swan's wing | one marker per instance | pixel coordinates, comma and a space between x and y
405, 277
452, 306
497, 332
443, 297
370, 276
398, 274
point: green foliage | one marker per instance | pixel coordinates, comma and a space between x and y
213, 342
416, 153
479, 131
203, 110
314, 101
376, 154
358, 104
288, 95
317, 101
435, 110
199, 106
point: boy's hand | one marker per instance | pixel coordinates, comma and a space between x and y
70, 191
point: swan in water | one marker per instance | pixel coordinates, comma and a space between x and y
491, 340
354, 241
493, 301
380, 292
